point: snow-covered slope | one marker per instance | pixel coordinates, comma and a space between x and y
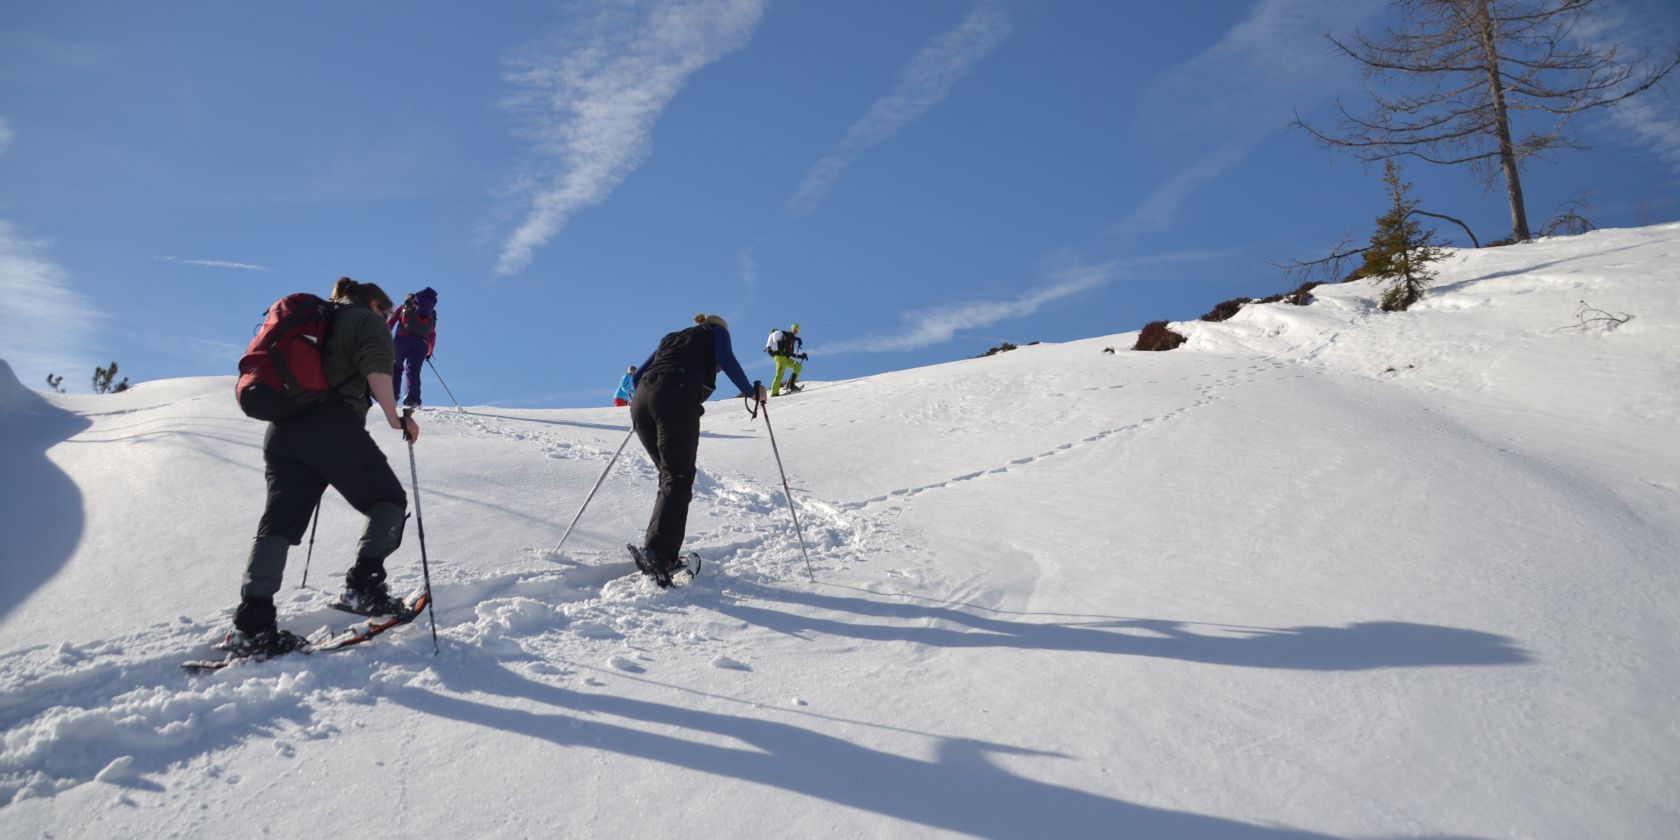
1261, 586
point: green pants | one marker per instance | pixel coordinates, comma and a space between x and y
784, 363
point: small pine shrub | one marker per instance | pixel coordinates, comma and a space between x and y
1156, 336
1001, 348
1401, 250
1271, 298
104, 380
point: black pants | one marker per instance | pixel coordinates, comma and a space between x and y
326, 446
666, 411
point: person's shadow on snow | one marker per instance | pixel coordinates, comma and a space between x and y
41, 512
1355, 647
960, 788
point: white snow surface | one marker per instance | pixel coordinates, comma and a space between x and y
1323, 572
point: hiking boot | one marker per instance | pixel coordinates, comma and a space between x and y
654, 566
370, 599
270, 642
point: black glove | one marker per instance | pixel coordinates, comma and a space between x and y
803, 357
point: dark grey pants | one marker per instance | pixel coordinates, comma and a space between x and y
327, 446
667, 412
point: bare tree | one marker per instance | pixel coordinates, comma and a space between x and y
1488, 83
1570, 218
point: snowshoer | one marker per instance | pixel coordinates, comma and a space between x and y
328, 445
784, 346
416, 325
671, 389
626, 388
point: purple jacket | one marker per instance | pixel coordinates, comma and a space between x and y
425, 304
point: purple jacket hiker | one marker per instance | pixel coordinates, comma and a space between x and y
416, 324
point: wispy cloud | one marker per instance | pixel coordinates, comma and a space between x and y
925, 81
35, 59
6, 135
1652, 118
588, 100
937, 325
1226, 101
216, 264
206, 351
45, 325
1655, 125
1156, 211
746, 264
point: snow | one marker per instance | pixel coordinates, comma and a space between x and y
1323, 572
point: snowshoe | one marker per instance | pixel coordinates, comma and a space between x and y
662, 572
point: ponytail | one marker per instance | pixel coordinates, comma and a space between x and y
350, 291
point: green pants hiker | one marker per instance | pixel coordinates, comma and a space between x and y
783, 364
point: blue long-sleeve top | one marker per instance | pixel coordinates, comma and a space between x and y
626, 387
725, 353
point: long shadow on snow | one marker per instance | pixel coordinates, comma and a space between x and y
1356, 647
607, 426
960, 789
42, 517
1453, 287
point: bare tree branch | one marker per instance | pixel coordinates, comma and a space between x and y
1589, 317
1455, 71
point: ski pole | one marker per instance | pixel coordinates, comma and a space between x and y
787, 491
420, 522
592, 490
311, 555
444, 384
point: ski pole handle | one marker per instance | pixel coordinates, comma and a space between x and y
757, 399
407, 415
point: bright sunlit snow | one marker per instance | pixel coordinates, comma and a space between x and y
1324, 571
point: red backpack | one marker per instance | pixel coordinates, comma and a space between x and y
413, 323
282, 372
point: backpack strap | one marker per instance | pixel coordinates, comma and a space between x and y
326, 349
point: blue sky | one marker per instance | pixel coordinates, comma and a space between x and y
912, 182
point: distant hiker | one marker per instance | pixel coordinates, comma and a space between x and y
671, 389
784, 346
416, 324
326, 445
626, 388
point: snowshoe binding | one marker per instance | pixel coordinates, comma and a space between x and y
663, 572
372, 600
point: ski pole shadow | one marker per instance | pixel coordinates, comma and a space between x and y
959, 789
42, 513
578, 424
1355, 647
